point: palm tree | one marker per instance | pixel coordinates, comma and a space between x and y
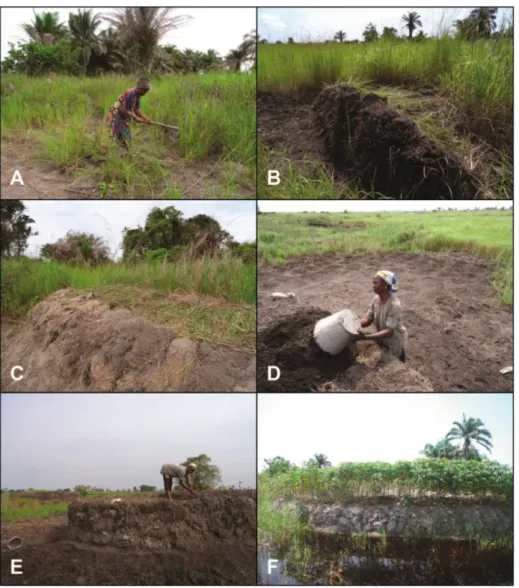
340, 36
143, 28
442, 449
484, 21
412, 21
109, 55
237, 57
83, 27
45, 29
470, 431
322, 460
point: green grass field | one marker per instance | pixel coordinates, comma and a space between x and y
225, 311
489, 233
15, 508
215, 113
477, 77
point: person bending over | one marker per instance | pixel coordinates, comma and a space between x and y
170, 471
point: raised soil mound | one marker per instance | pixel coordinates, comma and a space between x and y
385, 151
71, 342
289, 345
193, 523
203, 540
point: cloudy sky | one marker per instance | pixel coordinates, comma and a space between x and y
374, 427
374, 205
220, 29
54, 218
305, 24
116, 441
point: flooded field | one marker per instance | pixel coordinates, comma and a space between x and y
360, 560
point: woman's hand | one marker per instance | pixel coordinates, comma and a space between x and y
357, 337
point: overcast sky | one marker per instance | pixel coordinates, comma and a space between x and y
117, 441
318, 24
374, 427
105, 218
375, 205
220, 29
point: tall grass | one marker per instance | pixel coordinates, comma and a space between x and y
476, 77
488, 233
215, 113
225, 312
26, 281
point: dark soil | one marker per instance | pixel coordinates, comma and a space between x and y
292, 130
385, 151
212, 539
460, 333
290, 346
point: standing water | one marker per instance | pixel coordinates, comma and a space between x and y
390, 561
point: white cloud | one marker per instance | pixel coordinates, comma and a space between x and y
271, 20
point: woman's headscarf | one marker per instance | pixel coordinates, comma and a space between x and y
390, 279
143, 84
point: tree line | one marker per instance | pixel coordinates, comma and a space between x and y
130, 44
481, 23
470, 432
165, 236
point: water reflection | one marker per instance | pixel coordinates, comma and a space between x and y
394, 562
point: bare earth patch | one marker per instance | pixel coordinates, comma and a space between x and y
288, 128
76, 342
192, 180
460, 334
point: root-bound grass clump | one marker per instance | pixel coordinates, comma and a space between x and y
384, 150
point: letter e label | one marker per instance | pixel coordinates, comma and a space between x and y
16, 564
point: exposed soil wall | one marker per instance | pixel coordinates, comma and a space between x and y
431, 522
362, 135
71, 342
446, 299
189, 524
207, 539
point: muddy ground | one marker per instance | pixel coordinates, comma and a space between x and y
211, 538
71, 342
194, 180
460, 333
373, 146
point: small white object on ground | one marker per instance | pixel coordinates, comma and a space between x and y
507, 370
278, 295
116, 500
14, 543
333, 332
